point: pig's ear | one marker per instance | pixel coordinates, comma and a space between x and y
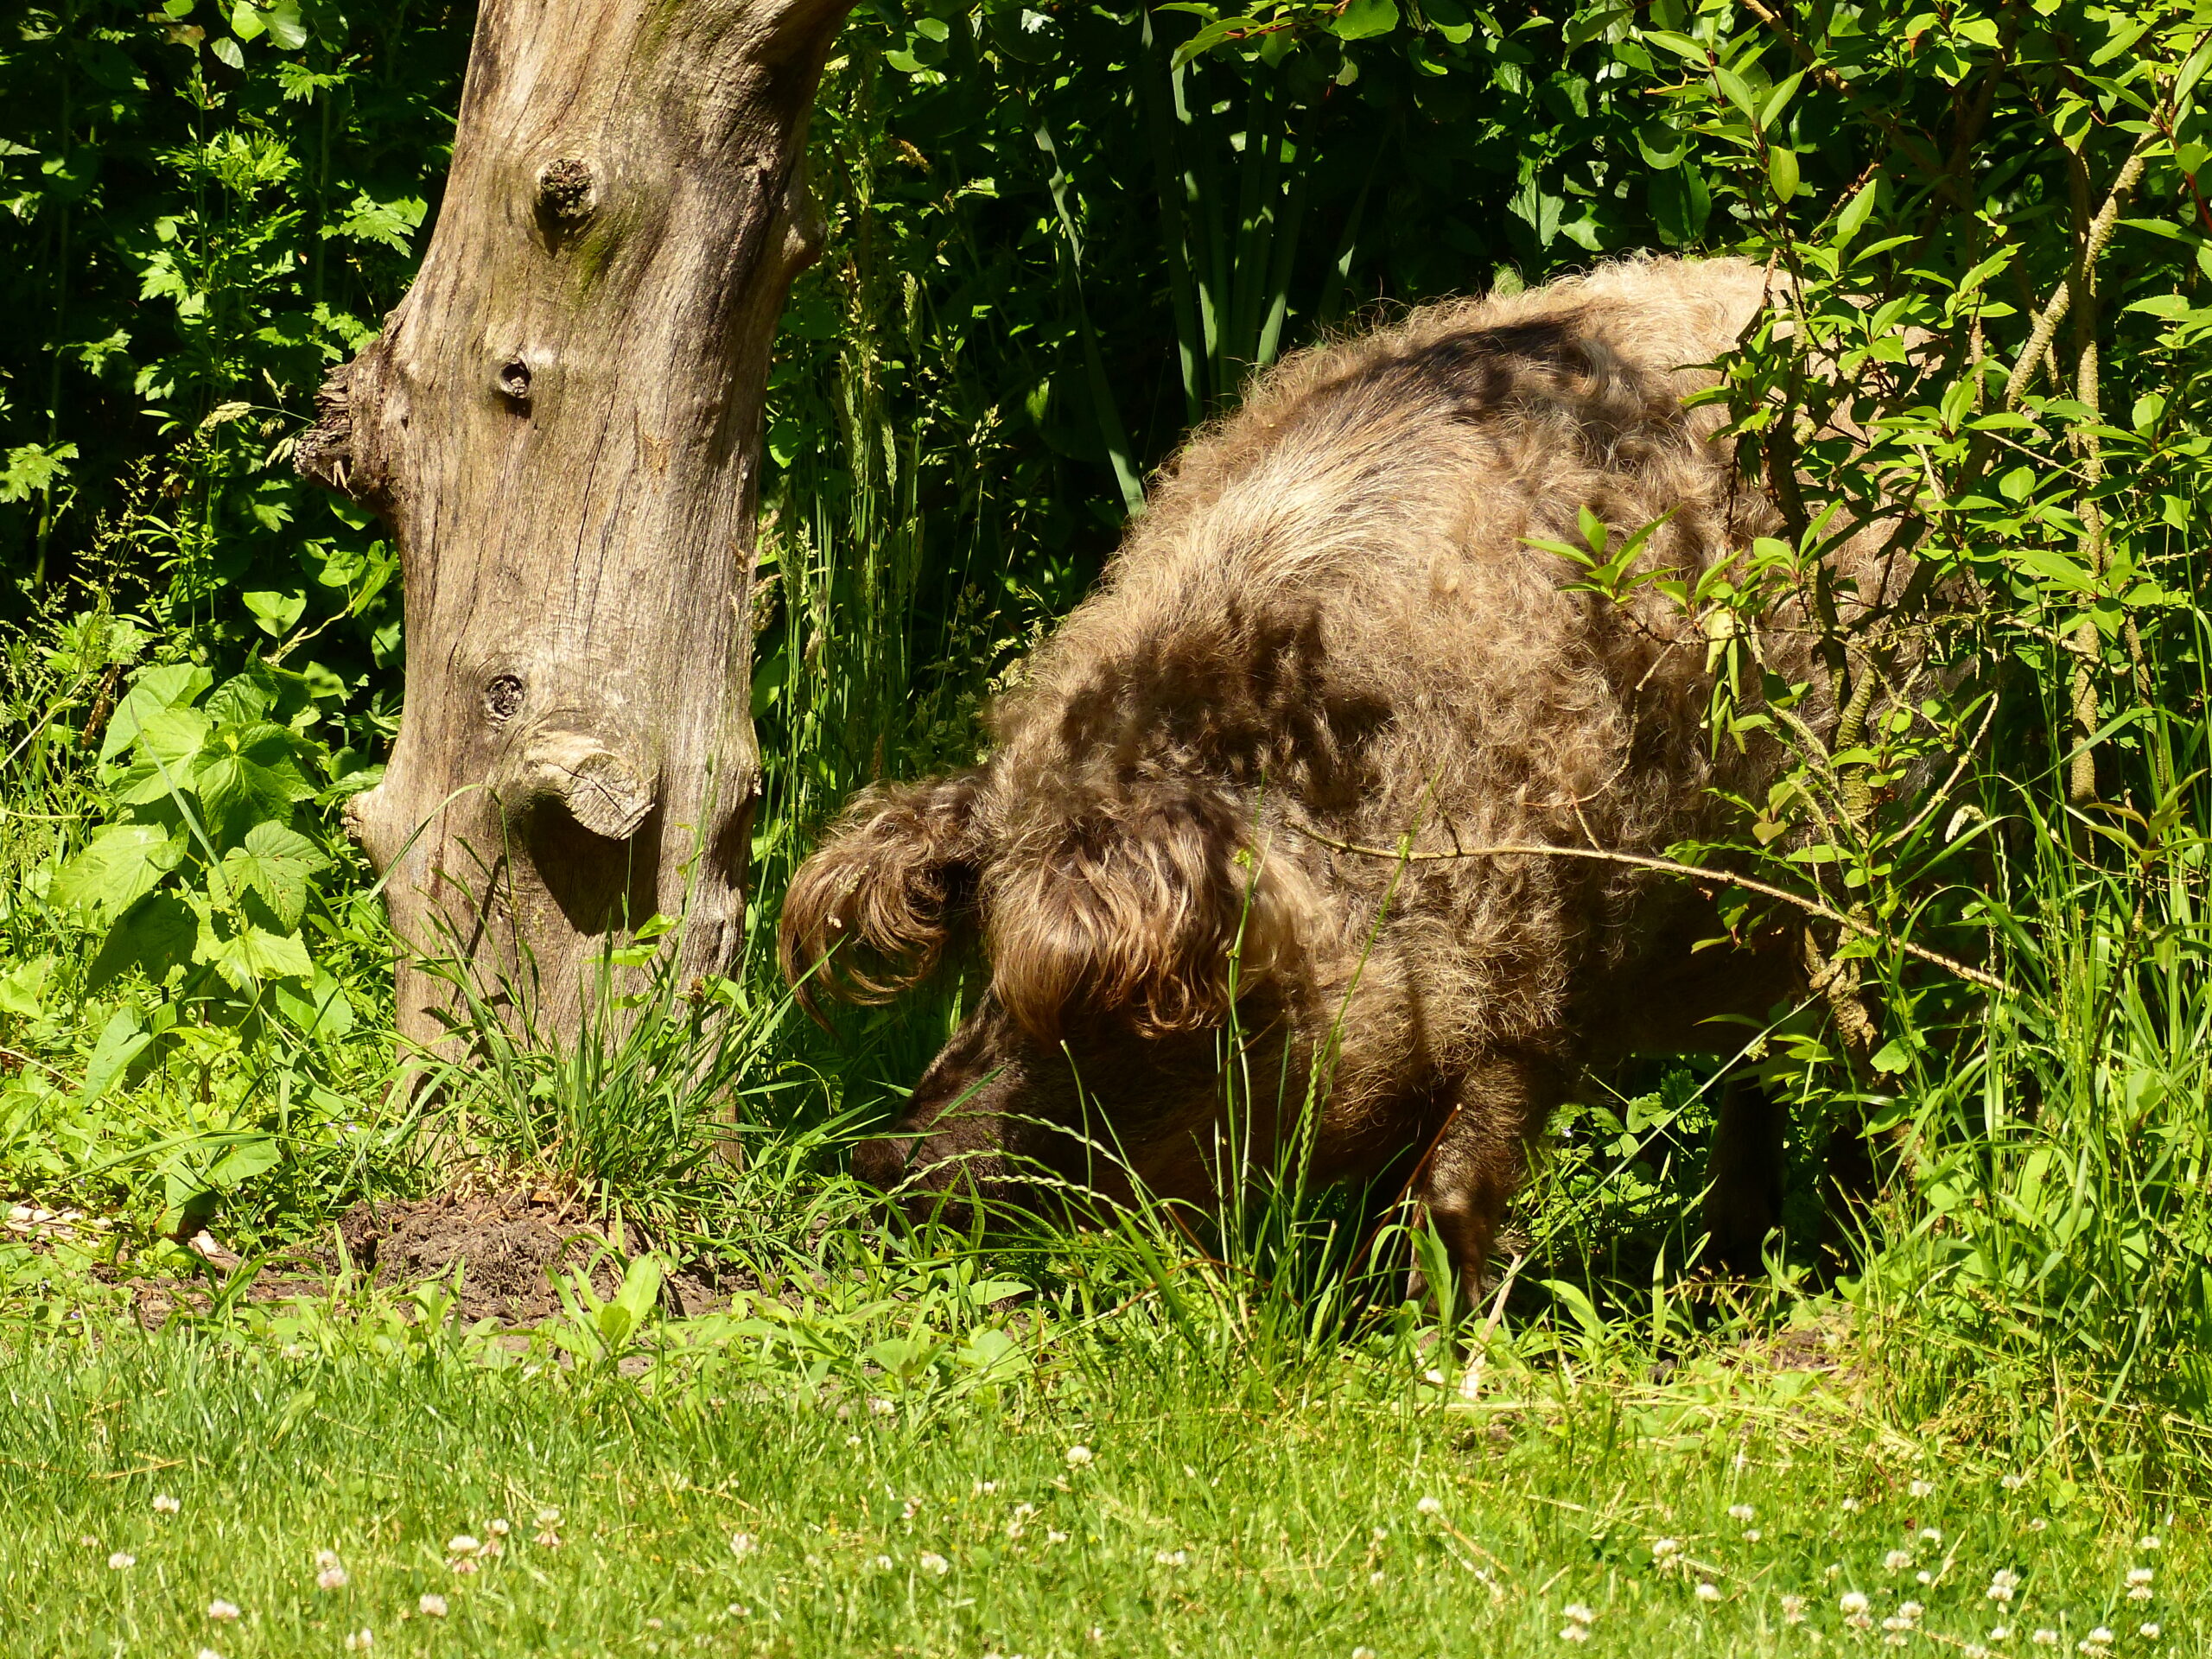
1147, 905
872, 912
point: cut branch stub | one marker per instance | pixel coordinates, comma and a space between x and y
609, 794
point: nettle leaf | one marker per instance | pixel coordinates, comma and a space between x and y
171, 686
275, 863
156, 935
119, 866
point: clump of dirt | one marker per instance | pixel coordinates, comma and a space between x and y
508, 1247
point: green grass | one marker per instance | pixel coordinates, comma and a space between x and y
1213, 1516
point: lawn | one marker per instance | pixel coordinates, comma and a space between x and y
282, 1483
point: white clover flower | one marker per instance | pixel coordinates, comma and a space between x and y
499, 1528
1362, 1653
1708, 1590
2045, 1638
882, 1563
2139, 1575
1932, 1536
1429, 1506
1170, 1558
223, 1612
1922, 1489
207, 1653
1923, 1578
1433, 1377
1574, 1632
431, 1606
1665, 1549
1898, 1560
1575, 1613
1752, 1534
548, 1518
546, 1538
2013, 1482
2002, 1583
742, 1544
933, 1563
360, 1641
120, 1559
330, 1577
2151, 1632
980, 1489
2000, 1633
1793, 1610
164, 1505
1053, 1537
1851, 1506
880, 1408
1078, 1456
2038, 1524
1833, 1571
461, 1544
1975, 1650
1854, 1601
2148, 1541
1743, 1512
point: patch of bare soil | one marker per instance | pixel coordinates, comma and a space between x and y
508, 1247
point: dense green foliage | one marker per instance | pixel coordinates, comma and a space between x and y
1060, 240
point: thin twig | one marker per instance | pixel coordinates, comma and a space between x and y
1671, 866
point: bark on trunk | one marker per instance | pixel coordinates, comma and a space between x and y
561, 423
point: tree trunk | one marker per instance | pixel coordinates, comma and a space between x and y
561, 423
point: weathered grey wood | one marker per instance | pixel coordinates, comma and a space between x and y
561, 423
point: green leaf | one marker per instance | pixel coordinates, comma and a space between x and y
119, 866
275, 863
156, 935
22, 990
276, 611
1782, 170
323, 1011
253, 955
1362, 19
227, 49
285, 27
1853, 218
1661, 145
248, 775
257, 1156
122, 1041
171, 686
